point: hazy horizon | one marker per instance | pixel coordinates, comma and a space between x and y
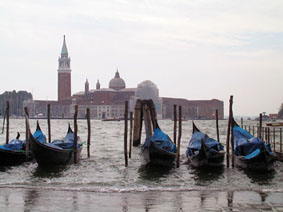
191, 49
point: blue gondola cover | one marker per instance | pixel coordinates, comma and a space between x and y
161, 140
247, 145
195, 143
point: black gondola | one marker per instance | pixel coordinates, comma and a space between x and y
251, 152
13, 153
159, 148
58, 152
203, 150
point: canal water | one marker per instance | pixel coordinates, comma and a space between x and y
102, 183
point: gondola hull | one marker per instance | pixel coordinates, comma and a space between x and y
250, 152
155, 155
11, 157
214, 160
204, 151
49, 156
263, 162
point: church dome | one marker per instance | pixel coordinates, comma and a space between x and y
117, 83
147, 90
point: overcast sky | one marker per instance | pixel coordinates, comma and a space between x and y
194, 49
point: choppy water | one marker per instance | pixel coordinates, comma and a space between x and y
102, 182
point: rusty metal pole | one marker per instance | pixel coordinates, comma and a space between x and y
126, 134
175, 123
76, 135
48, 123
8, 121
88, 131
179, 136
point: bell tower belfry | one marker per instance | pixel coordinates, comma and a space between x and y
64, 74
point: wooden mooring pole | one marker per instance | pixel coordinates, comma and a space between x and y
260, 125
147, 120
175, 123
242, 122
137, 123
27, 148
217, 126
265, 133
253, 130
274, 143
179, 136
268, 137
48, 123
228, 132
4, 119
88, 131
280, 139
7, 121
232, 140
76, 135
126, 134
131, 135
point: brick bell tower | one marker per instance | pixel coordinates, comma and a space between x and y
64, 74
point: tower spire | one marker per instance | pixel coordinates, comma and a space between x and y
64, 51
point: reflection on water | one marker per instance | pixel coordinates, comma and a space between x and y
30, 199
206, 175
3, 168
261, 178
50, 200
49, 171
154, 172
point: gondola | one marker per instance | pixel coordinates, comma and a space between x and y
159, 149
203, 150
251, 152
14, 152
58, 152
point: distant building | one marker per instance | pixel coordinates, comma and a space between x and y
16, 101
109, 102
193, 109
64, 74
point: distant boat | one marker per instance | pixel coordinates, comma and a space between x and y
58, 152
251, 152
159, 149
14, 152
203, 150
274, 124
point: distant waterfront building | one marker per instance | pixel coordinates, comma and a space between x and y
109, 102
16, 100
